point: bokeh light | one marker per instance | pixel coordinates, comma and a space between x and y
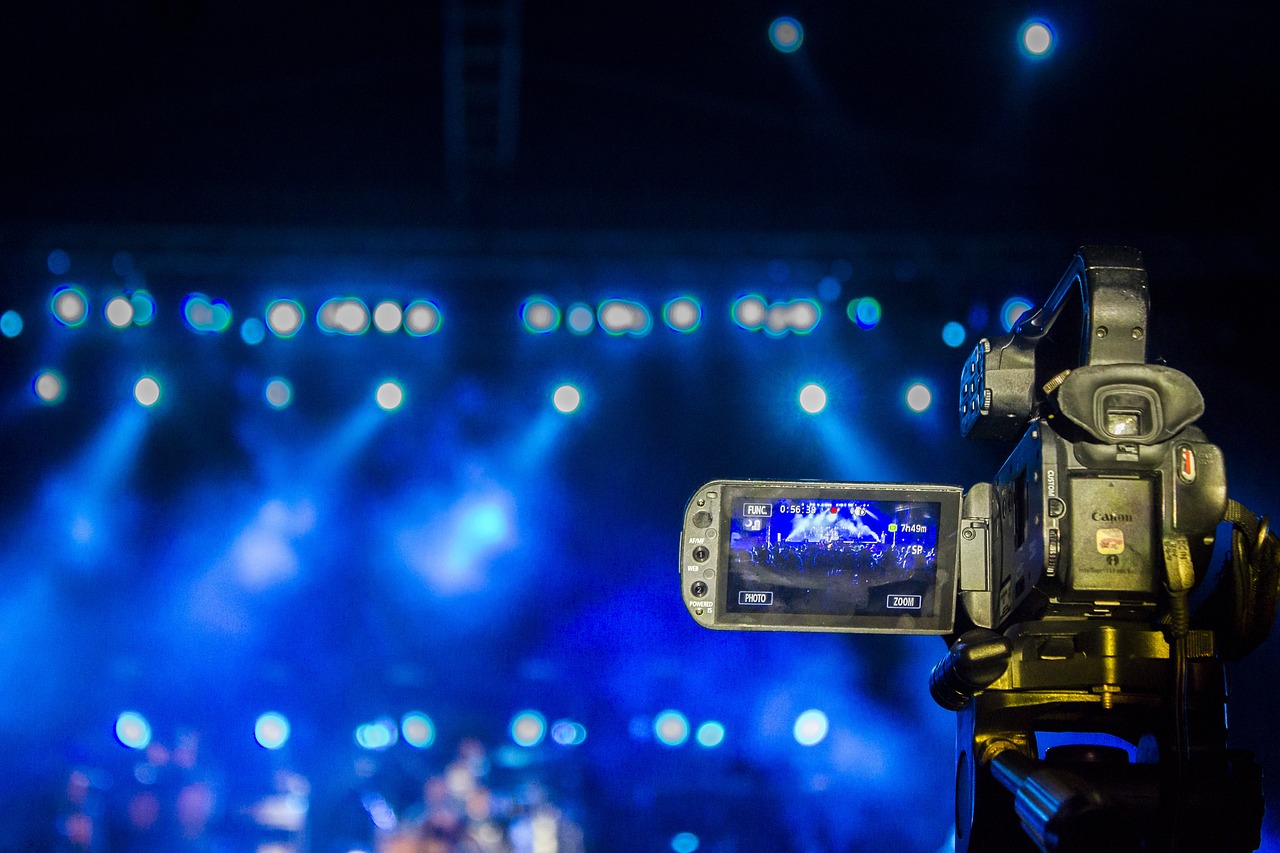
1012, 310
278, 393
343, 315
786, 34
389, 395
10, 324
811, 727
624, 317
418, 730
49, 387
147, 391
144, 307
710, 734
683, 314
528, 728
671, 728
953, 334
567, 399
539, 315
919, 397
1036, 38
387, 317
69, 305
378, 735
58, 262
813, 398
207, 315
864, 311
133, 730
684, 842
750, 311
568, 733
271, 730
422, 318
580, 318
253, 331
118, 311
284, 318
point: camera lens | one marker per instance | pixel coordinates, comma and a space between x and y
698, 589
701, 553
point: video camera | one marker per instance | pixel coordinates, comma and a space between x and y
1063, 586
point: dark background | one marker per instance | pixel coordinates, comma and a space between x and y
258, 151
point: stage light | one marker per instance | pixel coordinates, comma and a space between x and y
813, 398
683, 314
684, 842
710, 734
119, 312
133, 730
378, 735
278, 393
146, 391
580, 318
567, 399
10, 324
864, 311
829, 288
206, 315
568, 733
750, 312
671, 728
786, 34
418, 730
919, 397
624, 317
58, 262
70, 306
144, 307
343, 315
539, 315
953, 334
284, 318
387, 317
1012, 311
1036, 39
528, 728
422, 318
49, 387
799, 315
811, 727
253, 331
271, 730
389, 396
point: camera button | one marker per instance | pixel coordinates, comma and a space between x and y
1057, 507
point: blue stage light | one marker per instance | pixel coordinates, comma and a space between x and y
568, 733
253, 331
206, 315
278, 393
422, 318
147, 391
813, 398
119, 311
271, 730
418, 730
567, 399
49, 387
528, 728
1012, 310
133, 730
144, 307
683, 314
10, 324
710, 734
387, 317
864, 311
389, 396
69, 305
1036, 38
671, 728
58, 262
580, 318
284, 318
810, 728
953, 334
919, 397
624, 317
539, 315
343, 315
750, 312
786, 34
378, 735
684, 842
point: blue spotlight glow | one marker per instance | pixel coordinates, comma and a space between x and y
278, 393
528, 728
389, 396
953, 334
49, 387
1036, 38
144, 307
568, 733
207, 315
378, 735
253, 331
1013, 309
624, 317
710, 734
919, 397
813, 398
10, 324
387, 317
146, 391
70, 306
567, 399
284, 318
811, 727
119, 311
271, 730
750, 312
580, 318
684, 842
422, 318
133, 730
800, 316
539, 315
864, 311
671, 728
786, 34
683, 314
829, 288
343, 315
58, 262
418, 730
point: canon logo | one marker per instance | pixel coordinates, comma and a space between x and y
1112, 516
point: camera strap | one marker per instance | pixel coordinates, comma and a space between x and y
1254, 578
